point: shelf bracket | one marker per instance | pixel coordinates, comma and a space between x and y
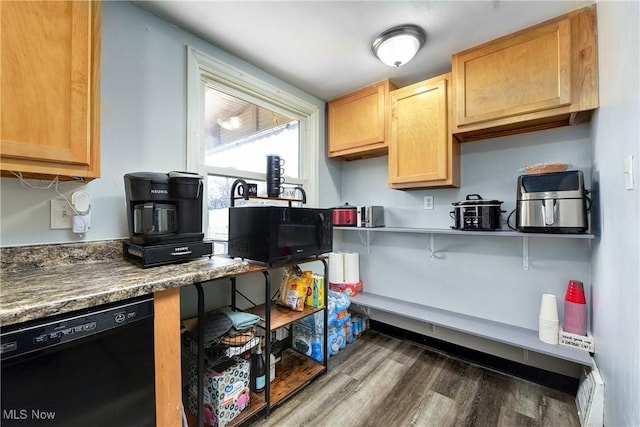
432, 246
525, 253
366, 242
433, 329
365, 309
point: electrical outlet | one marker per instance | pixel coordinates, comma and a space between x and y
61, 214
428, 202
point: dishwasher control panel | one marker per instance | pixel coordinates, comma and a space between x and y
20, 339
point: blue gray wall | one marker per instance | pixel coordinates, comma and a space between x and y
475, 275
616, 254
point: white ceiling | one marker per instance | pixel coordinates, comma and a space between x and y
324, 47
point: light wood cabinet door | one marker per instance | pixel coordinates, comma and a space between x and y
536, 78
422, 152
50, 88
358, 123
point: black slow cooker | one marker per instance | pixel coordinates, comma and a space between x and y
476, 213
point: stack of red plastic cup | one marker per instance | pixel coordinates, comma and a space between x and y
575, 309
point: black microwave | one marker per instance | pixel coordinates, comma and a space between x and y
273, 234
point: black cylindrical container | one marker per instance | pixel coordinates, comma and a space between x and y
274, 175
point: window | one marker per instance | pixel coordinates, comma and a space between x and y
240, 134
235, 121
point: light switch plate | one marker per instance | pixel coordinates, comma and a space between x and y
61, 214
629, 183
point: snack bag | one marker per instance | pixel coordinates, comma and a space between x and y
293, 288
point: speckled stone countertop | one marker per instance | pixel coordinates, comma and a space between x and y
42, 281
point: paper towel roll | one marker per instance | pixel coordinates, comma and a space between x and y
351, 267
336, 267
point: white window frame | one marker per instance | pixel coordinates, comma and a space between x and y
202, 67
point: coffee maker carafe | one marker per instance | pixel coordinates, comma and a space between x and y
164, 208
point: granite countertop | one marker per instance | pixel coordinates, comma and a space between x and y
42, 281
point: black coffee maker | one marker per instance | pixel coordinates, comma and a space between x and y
164, 212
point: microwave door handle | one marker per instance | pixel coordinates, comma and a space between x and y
319, 229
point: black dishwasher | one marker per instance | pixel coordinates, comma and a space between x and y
91, 367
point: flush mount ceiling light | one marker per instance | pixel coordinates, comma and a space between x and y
398, 45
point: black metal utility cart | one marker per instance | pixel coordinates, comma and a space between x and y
296, 370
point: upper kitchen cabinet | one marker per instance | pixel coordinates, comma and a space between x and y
542, 77
358, 122
50, 89
422, 151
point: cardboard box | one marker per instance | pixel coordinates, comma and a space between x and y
359, 325
315, 293
350, 289
580, 342
210, 416
226, 391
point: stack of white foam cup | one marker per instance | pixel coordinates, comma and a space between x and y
548, 321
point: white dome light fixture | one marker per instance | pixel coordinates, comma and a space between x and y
231, 123
398, 45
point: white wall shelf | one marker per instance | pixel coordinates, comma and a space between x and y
526, 339
431, 232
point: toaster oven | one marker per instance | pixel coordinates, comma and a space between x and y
370, 216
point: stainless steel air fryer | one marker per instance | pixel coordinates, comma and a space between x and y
552, 203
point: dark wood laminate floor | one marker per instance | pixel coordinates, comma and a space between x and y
383, 381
